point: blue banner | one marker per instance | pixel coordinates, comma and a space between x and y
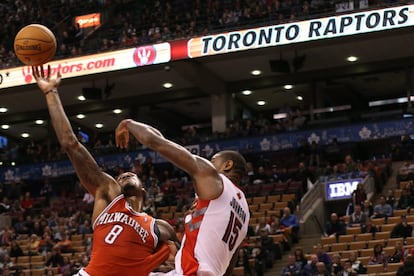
275, 142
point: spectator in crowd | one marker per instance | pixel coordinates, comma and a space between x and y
406, 200
367, 208
300, 258
402, 229
336, 264
390, 199
290, 221
382, 209
269, 249
243, 260
15, 249
369, 227
34, 243
407, 268
335, 227
310, 268
358, 218
356, 264
359, 195
64, 245
347, 270
398, 255
323, 256
322, 269
291, 268
54, 259
379, 256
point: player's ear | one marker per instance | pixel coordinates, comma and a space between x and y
228, 165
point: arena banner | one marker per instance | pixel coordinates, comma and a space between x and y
92, 64
302, 31
266, 143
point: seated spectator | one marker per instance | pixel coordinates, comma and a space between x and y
335, 227
356, 265
323, 256
390, 199
322, 270
269, 249
398, 255
402, 229
64, 245
15, 249
261, 224
291, 268
243, 261
46, 244
367, 208
357, 218
382, 209
54, 259
300, 258
406, 200
379, 257
310, 268
290, 221
34, 243
336, 264
407, 268
369, 227
347, 270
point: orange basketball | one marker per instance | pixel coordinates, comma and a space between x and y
35, 45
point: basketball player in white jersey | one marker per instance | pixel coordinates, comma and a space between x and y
220, 216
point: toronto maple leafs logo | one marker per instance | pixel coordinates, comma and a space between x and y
365, 133
47, 170
314, 138
265, 144
208, 151
9, 175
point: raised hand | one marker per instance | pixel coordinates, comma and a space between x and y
122, 134
43, 78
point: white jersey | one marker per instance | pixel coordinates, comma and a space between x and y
213, 232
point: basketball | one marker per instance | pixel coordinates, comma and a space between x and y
35, 45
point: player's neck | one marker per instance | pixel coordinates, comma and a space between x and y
135, 203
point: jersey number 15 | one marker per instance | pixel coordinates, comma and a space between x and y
232, 231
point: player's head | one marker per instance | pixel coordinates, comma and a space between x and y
230, 163
130, 184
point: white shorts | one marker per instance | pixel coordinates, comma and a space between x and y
174, 273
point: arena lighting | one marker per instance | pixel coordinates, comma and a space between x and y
39, 122
288, 86
261, 102
167, 85
279, 116
80, 116
25, 135
352, 58
299, 98
256, 72
117, 111
5, 126
247, 92
99, 125
81, 98
390, 101
3, 109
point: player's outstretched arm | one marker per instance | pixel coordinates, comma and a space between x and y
208, 183
85, 165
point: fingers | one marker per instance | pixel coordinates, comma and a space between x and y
42, 72
48, 71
